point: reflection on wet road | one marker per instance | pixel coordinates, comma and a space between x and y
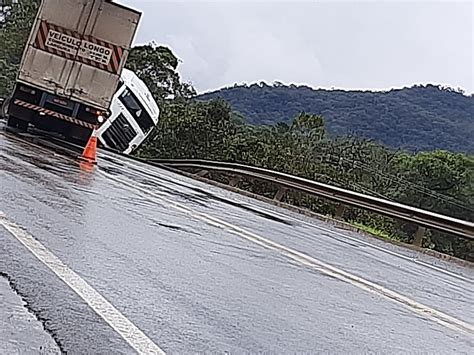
198, 269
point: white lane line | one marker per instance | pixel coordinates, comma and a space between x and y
334, 232
368, 244
419, 308
127, 330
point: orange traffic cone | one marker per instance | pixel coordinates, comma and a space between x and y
90, 151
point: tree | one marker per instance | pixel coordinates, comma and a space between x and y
190, 129
157, 67
15, 25
448, 177
308, 125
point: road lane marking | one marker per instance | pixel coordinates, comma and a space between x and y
304, 259
127, 330
368, 244
332, 232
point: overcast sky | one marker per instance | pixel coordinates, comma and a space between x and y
342, 44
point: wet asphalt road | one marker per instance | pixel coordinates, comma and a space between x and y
182, 261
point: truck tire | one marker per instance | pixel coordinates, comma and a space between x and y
17, 123
4, 108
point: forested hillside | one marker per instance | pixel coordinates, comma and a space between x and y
419, 118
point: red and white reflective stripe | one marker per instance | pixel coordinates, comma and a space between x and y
74, 45
53, 114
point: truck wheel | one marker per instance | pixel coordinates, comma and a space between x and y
4, 109
17, 123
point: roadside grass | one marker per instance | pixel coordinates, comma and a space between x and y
374, 231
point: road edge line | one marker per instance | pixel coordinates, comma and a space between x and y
111, 315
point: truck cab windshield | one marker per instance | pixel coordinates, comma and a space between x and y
132, 104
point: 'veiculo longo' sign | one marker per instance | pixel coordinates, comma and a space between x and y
73, 46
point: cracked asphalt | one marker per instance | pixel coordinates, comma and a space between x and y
20, 331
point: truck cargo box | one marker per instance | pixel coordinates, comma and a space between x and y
77, 49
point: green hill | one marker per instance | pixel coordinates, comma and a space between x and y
416, 118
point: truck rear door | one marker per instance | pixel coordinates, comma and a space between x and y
78, 49
107, 38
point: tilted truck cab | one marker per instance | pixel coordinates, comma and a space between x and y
71, 66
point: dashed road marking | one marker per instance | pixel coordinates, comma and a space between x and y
304, 259
370, 245
346, 236
127, 330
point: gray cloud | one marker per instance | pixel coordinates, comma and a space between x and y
343, 44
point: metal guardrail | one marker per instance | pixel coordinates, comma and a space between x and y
422, 218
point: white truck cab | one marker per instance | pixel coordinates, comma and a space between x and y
134, 114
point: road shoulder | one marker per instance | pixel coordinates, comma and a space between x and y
20, 331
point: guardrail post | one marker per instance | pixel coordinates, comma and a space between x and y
339, 212
420, 233
202, 173
280, 193
234, 181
